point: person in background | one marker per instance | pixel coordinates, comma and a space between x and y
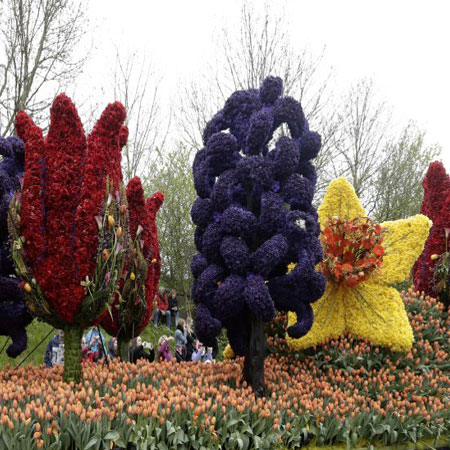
203, 354
208, 356
96, 342
112, 348
198, 352
180, 341
137, 350
173, 308
162, 307
54, 354
164, 352
86, 353
191, 338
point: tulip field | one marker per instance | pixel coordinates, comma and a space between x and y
342, 392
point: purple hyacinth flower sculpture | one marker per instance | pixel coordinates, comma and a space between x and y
254, 217
14, 315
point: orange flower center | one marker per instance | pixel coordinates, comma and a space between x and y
352, 249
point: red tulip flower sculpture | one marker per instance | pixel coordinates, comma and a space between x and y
132, 307
69, 225
432, 269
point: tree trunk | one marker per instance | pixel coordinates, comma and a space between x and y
253, 371
123, 349
72, 354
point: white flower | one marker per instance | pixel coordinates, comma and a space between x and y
301, 223
86, 283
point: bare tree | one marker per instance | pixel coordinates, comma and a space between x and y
261, 47
360, 140
386, 168
136, 85
264, 48
38, 55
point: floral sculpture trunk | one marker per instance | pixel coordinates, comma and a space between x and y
67, 248
14, 315
254, 216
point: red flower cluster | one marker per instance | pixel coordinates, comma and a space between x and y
64, 189
142, 226
138, 214
32, 214
352, 250
152, 206
102, 161
435, 205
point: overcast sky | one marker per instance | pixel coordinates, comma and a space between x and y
403, 45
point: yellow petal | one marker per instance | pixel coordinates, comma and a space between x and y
329, 319
377, 312
228, 352
403, 243
340, 200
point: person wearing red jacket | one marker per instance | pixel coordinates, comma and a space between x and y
162, 307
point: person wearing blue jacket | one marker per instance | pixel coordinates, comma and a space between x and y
94, 340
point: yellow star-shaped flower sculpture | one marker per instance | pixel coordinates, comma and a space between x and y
370, 308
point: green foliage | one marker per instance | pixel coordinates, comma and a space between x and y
398, 184
173, 176
234, 431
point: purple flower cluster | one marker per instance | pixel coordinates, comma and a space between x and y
14, 316
254, 217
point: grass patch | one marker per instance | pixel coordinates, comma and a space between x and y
37, 331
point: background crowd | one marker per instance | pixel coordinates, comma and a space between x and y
183, 346
166, 306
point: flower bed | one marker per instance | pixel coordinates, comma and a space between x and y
344, 391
